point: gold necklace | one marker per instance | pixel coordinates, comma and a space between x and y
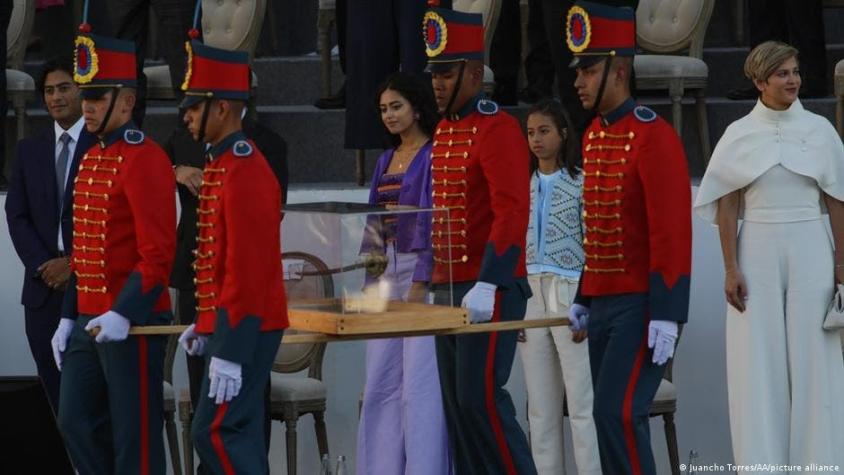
405, 156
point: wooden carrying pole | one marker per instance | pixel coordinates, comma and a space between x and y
299, 338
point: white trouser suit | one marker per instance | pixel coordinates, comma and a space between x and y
785, 374
555, 366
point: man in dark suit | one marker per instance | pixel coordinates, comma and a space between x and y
188, 157
38, 211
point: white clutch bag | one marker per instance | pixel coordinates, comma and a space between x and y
835, 314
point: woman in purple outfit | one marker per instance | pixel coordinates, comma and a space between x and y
402, 425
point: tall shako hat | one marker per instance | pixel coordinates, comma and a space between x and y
213, 73
595, 31
452, 36
100, 63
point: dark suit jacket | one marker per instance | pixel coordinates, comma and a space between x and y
31, 206
183, 150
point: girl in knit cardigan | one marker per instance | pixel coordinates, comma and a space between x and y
556, 359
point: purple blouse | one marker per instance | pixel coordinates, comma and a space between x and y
411, 232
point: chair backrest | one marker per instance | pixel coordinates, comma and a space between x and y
17, 34
672, 26
233, 24
490, 9
297, 357
839, 78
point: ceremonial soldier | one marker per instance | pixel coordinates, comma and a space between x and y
124, 237
480, 172
240, 295
637, 217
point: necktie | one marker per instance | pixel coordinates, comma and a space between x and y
61, 166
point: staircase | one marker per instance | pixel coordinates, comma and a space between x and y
288, 85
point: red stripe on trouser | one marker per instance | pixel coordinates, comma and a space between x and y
143, 372
217, 440
627, 407
489, 387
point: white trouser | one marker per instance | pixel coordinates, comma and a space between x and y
785, 374
555, 366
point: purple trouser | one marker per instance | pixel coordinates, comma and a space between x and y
402, 423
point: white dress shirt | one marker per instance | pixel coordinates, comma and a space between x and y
73, 132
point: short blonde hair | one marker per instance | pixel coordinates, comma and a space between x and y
764, 59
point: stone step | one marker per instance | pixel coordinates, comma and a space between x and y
285, 80
315, 138
726, 67
721, 31
295, 27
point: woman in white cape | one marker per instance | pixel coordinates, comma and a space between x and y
779, 169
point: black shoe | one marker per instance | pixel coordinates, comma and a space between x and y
743, 93
337, 101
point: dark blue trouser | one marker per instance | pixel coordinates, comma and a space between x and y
625, 380
483, 433
229, 437
41, 324
111, 404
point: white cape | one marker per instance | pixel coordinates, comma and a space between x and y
799, 140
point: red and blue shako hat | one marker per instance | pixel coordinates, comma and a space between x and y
101, 63
595, 31
214, 73
452, 36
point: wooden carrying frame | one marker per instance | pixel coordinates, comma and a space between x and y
318, 325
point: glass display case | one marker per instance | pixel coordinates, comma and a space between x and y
349, 268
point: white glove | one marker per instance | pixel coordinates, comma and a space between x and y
59, 341
225, 380
193, 342
480, 301
578, 317
662, 334
113, 327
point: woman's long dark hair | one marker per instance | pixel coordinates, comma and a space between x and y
568, 157
421, 98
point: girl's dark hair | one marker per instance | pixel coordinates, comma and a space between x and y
421, 98
569, 156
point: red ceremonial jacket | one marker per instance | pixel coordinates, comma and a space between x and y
637, 211
124, 229
239, 282
480, 172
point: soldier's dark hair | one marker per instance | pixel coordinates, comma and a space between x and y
568, 157
59, 63
421, 98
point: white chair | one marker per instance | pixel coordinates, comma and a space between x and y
292, 396
663, 30
227, 24
20, 86
839, 98
170, 404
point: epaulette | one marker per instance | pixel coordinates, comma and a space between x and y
487, 107
133, 136
644, 114
242, 148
